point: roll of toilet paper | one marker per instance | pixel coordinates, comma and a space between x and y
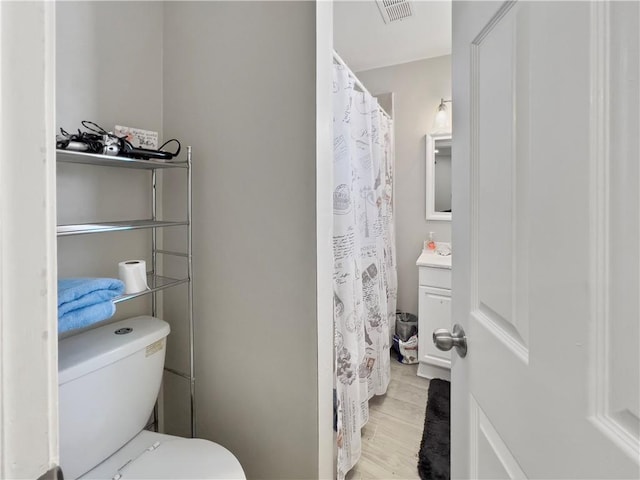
134, 275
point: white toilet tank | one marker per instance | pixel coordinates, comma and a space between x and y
109, 380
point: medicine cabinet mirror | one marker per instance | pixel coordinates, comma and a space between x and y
438, 176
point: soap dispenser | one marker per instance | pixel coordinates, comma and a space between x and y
431, 244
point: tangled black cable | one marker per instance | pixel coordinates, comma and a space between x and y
92, 141
98, 140
177, 152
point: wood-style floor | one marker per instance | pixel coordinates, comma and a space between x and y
391, 438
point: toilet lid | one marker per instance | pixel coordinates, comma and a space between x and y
169, 457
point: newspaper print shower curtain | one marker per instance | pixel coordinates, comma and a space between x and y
365, 279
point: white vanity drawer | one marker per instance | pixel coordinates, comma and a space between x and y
434, 277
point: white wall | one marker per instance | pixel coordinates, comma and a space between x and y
418, 87
109, 70
239, 85
243, 96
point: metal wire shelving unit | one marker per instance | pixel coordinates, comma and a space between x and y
156, 282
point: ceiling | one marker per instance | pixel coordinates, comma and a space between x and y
364, 41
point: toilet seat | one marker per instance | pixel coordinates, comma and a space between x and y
152, 455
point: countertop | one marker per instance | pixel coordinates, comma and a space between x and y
432, 259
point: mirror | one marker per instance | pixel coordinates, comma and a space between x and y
438, 176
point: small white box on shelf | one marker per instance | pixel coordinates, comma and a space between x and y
138, 137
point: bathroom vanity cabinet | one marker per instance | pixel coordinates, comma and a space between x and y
434, 311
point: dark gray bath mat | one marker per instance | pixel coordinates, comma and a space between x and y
435, 448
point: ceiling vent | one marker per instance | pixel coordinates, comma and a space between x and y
394, 10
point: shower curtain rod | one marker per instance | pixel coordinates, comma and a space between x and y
359, 84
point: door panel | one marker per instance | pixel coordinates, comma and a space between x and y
491, 458
547, 240
434, 304
500, 156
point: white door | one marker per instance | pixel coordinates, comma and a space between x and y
546, 231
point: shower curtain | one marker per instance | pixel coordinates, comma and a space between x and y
365, 279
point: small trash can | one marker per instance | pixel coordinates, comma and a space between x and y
406, 325
407, 352
405, 340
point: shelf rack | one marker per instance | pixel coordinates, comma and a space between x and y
156, 282
70, 156
102, 227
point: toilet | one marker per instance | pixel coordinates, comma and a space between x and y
109, 379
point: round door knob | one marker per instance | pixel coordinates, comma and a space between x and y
445, 340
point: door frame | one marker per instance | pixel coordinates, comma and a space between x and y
324, 234
28, 266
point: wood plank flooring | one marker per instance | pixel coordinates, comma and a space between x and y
391, 438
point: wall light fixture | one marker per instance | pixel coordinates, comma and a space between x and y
442, 122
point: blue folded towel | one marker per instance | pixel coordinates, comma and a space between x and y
84, 301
